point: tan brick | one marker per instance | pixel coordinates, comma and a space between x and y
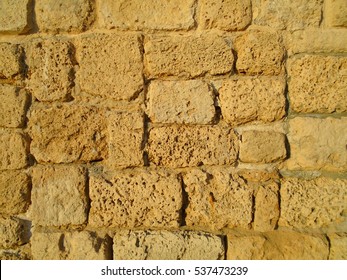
259, 53
315, 203
187, 56
12, 232
14, 192
13, 16
149, 14
51, 69
67, 133
82, 245
335, 13
192, 146
10, 60
226, 15
248, 99
59, 195
135, 198
166, 245
317, 84
64, 16
338, 246
20, 253
110, 65
13, 106
287, 14
317, 144
190, 102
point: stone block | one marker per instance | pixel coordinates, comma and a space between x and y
12, 232
20, 253
338, 246
13, 16
189, 102
10, 60
335, 13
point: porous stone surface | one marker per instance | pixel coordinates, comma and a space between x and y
335, 13
313, 203
259, 53
189, 102
166, 245
135, 198
187, 56
338, 246
67, 133
13, 106
12, 232
64, 16
181, 146
110, 65
59, 195
14, 192
13, 16
150, 14
226, 15
51, 69
10, 60
71, 245
20, 253
317, 84
317, 144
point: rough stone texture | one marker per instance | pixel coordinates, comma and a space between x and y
10, 60
190, 102
165, 245
64, 16
14, 192
67, 133
317, 84
187, 56
315, 203
13, 16
317, 144
11, 232
259, 53
335, 13
51, 69
244, 100
13, 150
82, 245
19, 253
226, 15
13, 106
278, 245
135, 198
217, 199
262, 146
110, 65
181, 146
338, 246
59, 195
287, 14
149, 14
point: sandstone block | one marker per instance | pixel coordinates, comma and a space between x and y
259, 53
135, 198
190, 102
335, 13
226, 15
59, 195
150, 14
317, 144
19, 253
14, 192
67, 133
317, 84
10, 59
248, 99
13, 16
192, 146
64, 16
338, 246
166, 245
110, 65
12, 232
187, 56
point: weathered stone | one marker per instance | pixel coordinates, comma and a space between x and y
317, 144
165, 245
59, 195
67, 133
226, 15
192, 146
315, 203
64, 16
190, 102
20, 253
259, 53
13, 16
335, 13
110, 65
14, 192
187, 56
338, 246
149, 14
135, 198
317, 84
10, 60
244, 100
12, 232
